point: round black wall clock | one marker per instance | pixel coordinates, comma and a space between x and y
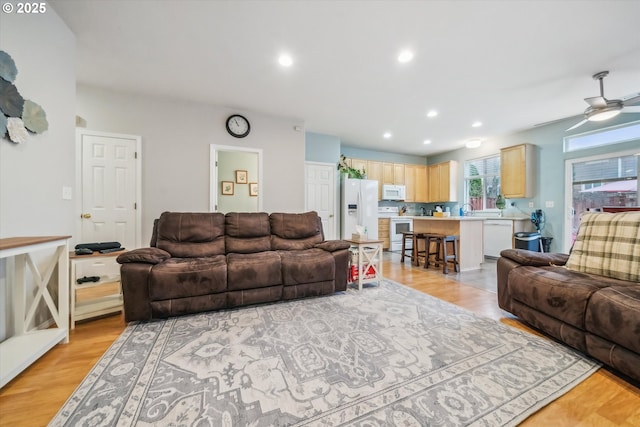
238, 126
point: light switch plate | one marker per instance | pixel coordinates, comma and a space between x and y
67, 193
548, 204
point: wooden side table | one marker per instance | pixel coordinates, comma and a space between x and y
96, 298
369, 261
27, 344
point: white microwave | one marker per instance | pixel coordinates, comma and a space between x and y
394, 192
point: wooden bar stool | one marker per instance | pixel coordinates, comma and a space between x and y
414, 252
440, 242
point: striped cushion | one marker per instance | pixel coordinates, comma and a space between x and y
608, 245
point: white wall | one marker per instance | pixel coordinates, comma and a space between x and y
176, 136
32, 174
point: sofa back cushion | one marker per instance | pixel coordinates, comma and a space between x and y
247, 232
608, 245
290, 231
192, 234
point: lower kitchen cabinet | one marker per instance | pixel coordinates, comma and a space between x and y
383, 233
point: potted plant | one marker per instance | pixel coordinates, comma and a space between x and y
353, 173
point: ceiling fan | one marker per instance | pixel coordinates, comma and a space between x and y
601, 108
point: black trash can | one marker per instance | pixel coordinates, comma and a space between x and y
546, 243
528, 240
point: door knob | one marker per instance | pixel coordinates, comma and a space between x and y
331, 216
85, 215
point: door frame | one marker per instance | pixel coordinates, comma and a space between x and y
213, 173
336, 194
138, 199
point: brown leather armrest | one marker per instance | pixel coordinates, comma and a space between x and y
144, 255
332, 245
535, 259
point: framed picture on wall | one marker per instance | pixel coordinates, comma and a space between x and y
241, 177
227, 188
253, 189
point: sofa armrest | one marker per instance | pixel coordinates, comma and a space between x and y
332, 245
144, 255
535, 259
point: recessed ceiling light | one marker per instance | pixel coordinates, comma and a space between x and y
432, 113
405, 56
473, 143
476, 124
386, 135
285, 60
427, 141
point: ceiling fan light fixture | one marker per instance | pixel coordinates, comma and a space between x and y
606, 113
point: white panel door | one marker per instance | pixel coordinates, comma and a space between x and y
109, 189
320, 193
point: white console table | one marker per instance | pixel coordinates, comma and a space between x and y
26, 346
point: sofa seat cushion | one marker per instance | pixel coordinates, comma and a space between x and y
307, 266
614, 314
188, 277
250, 271
560, 293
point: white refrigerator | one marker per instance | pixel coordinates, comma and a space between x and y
359, 206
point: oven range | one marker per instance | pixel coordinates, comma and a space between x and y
397, 225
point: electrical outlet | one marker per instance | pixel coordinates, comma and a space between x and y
548, 204
530, 204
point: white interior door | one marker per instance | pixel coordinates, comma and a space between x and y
320, 194
110, 188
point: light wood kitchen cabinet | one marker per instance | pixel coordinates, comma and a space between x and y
415, 181
517, 171
383, 232
359, 164
388, 173
374, 172
398, 173
442, 178
410, 183
422, 191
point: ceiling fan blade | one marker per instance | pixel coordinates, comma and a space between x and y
635, 109
631, 99
597, 101
577, 125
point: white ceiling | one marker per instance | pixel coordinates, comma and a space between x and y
509, 64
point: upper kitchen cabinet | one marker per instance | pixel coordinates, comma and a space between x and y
415, 181
388, 176
398, 174
442, 179
517, 171
358, 164
374, 172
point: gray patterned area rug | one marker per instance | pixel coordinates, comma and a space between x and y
384, 356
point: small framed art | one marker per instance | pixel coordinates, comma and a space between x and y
253, 189
241, 177
227, 188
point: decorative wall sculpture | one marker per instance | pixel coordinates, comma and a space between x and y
18, 116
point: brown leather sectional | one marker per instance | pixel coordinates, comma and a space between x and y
209, 261
597, 315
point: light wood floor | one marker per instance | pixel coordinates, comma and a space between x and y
35, 396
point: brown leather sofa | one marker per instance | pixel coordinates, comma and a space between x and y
597, 315
209, 261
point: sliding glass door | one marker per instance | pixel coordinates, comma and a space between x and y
594, 182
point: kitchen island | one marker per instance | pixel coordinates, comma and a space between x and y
469, 229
